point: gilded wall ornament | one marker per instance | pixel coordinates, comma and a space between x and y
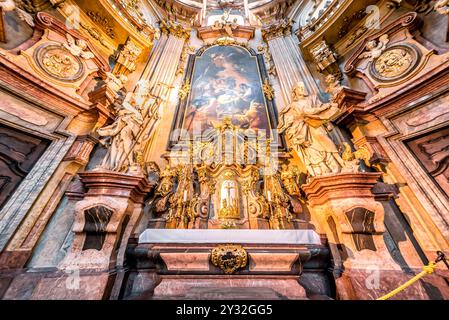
95, 34
103, 22
268, 90
175, 29
184, 90
127, 58
269, 63
290, 179
395, 63
229, 258
278, 29
59, 63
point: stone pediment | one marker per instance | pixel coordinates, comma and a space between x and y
393, 58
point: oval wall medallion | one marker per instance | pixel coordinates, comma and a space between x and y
395, 63
59, 63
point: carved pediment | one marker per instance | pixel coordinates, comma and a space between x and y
409, 22
393, 58
45, 21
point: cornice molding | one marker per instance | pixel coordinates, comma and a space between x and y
281, 29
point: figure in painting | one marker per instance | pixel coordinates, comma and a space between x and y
302, 122
226, 84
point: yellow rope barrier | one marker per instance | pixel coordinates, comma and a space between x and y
429, 269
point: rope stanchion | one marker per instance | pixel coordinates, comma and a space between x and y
429, 269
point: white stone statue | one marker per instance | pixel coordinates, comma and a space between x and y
375, 48
302, 122
121, 136
78, 47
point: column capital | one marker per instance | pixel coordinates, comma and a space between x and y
175, 29
280, 29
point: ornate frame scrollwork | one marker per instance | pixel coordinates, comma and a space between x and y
263, 73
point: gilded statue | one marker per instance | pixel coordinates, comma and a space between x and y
78, 47
352, 159
302, 122
121, 136
289, 177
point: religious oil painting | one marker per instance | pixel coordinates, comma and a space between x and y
226, 83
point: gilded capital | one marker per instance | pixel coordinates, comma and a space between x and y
175, 29
280, 29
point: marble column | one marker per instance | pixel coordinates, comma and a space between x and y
160, 73
290, 65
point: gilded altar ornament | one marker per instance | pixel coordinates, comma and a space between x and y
176, 29
352, 159
229, 208
184, 90
167, 181
303, 124
184, 202
96, 34
289, 177
269, 63
229, 258
268, 90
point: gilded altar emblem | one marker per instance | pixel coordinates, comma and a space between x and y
229, 258
395, 63
59, 63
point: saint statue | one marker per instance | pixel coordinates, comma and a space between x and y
121, 136
302, 122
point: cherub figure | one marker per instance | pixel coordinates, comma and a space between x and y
442, 6
226, 24
78, 47
375, 48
